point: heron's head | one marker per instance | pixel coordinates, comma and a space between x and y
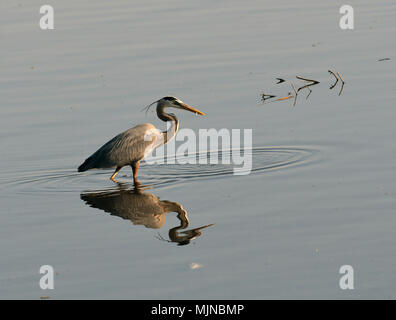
172, 102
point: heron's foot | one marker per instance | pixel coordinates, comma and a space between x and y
112, 178
137, 184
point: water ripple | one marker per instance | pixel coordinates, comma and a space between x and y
158, 175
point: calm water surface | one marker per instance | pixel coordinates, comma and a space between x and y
322, 192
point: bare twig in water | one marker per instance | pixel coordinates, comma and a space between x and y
310, 91
284, 98
309, 80
265, 97
306, 86
312, 83
281, 99
335, 83
340, 77
342, 88
296, 94
343, 82
333, 74
294, 88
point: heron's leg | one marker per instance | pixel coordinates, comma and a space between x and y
135, 168
115, 173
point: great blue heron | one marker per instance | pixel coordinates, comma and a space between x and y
131, 146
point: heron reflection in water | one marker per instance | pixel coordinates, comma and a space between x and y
143, 208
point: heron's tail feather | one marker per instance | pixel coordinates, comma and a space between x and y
88, 164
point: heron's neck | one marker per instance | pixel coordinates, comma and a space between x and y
169, 119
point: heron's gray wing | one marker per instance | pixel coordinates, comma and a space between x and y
127, 147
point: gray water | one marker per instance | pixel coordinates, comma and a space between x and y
322, 192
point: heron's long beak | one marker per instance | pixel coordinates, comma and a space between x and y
191, 109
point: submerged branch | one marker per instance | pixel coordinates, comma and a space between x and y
335, 83
309, 80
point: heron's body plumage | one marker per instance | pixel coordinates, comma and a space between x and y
124, 149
